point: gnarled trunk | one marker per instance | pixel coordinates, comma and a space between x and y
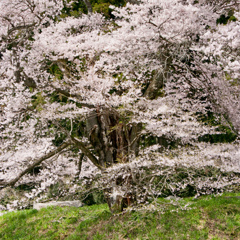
114, 141
121, 194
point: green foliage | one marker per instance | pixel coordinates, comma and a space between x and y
163, 141
59, 139
55, 70
83, 64
159, 93
233, 19
77, 129
58, 97
231, 80
118, 3
118, 90
225, 135
226, 19
76, 9
119, 77
102, 8
38, 101
205, 218
93, 197
223, 19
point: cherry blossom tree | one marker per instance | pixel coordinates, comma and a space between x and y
125, 99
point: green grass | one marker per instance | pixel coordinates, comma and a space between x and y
205, 218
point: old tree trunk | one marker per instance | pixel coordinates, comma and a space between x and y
114, 141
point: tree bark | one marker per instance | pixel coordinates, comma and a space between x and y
114, 141
89, 6
87, 152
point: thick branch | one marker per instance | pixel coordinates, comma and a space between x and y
37, 162
20, 28
67, 94
87, 152
89, 6
79, 165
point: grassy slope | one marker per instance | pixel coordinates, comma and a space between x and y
205, 218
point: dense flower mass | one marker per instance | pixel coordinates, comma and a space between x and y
153, 88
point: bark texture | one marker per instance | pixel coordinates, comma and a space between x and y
113, 140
